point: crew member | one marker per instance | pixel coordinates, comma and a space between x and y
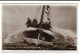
28, 23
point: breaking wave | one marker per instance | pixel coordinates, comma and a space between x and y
70, 37
14, 37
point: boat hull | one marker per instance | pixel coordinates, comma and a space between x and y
38, 42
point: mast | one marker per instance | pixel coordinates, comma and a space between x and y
41, 20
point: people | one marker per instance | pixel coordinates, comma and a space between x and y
49, 25
34, 23
28, 23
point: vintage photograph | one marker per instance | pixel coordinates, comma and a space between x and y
39, 26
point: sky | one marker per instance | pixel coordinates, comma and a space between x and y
14, 17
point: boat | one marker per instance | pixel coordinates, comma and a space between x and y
39, 35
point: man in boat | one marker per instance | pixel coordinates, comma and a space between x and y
49, 25
45, 25
34, 23
28, 23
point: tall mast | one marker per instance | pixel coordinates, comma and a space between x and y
41, 20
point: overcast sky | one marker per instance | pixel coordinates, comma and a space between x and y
15, 16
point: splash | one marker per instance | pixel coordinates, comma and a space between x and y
15, 37
69, 37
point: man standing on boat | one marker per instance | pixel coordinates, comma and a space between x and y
34, 23
28, 23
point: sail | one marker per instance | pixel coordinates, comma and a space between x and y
47, 14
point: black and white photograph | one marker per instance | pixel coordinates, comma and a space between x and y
39, 27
